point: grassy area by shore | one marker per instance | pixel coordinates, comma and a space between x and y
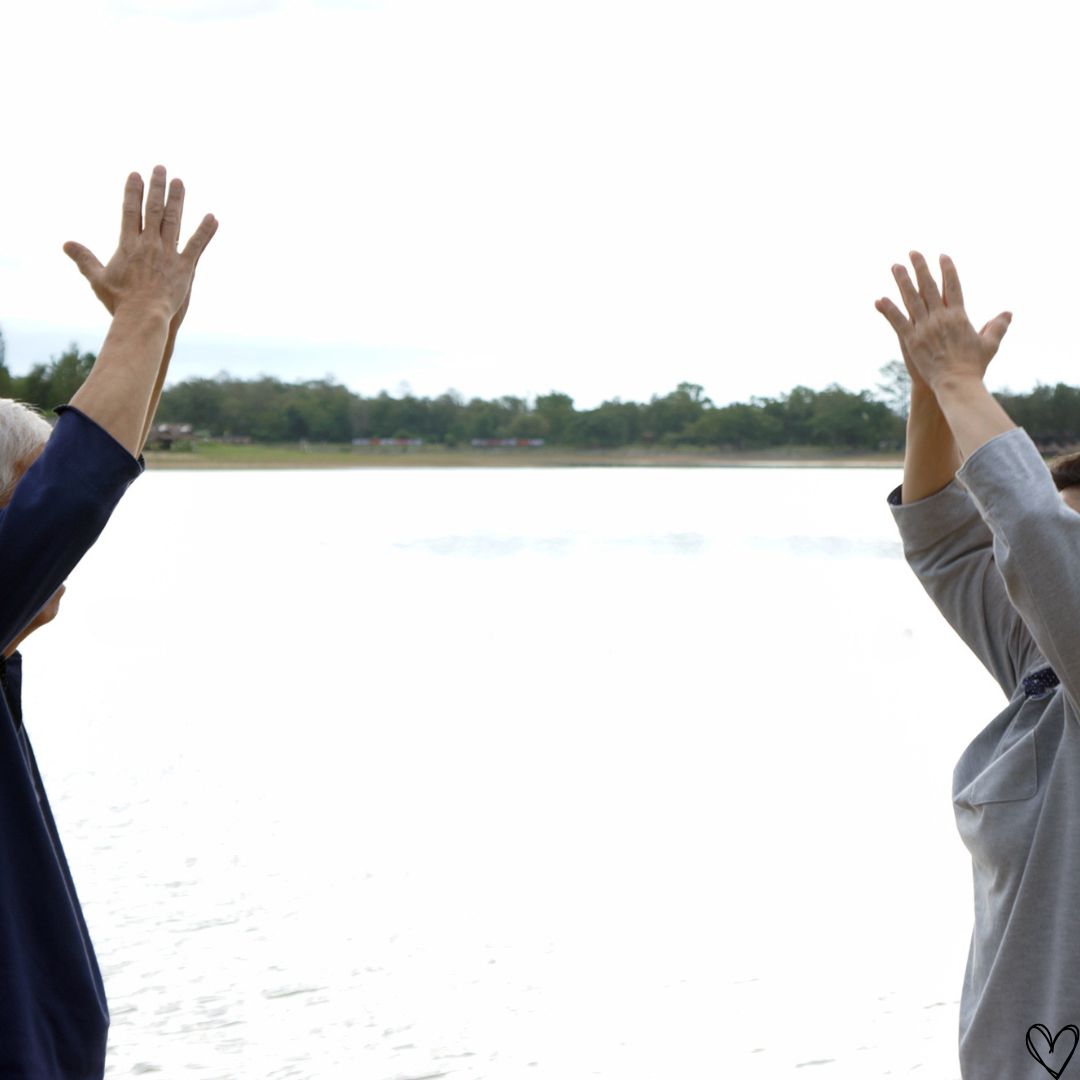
210, 455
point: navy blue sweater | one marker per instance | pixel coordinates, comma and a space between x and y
53, 1016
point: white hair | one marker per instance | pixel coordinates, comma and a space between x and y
23, 432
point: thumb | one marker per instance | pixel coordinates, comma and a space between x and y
995, 329
84, 259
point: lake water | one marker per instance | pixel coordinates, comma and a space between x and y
402, 774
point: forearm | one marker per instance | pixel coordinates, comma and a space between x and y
931, 457
973, 414
11, 649
159, 383
118, 391
950, 548
1036, 544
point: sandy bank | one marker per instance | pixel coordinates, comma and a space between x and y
219, 456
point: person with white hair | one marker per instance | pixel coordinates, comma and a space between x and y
58, 488
23, 434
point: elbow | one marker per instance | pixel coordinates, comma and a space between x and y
62, 509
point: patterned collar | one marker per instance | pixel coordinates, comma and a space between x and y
1040, 683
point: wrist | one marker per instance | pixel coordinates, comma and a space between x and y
953, 385
141, 327
143, 310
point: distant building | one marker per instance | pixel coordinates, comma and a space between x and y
387, 442
485, 443
166, 436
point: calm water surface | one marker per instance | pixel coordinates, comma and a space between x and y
512, 774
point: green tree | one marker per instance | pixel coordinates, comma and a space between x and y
68, 372
482, 420
1049, 414
740, 426
5, 375
269, 410
795, 411
196, 401
444, 417
852, 421
668, 418
47, 385
528, 425
613, 423
557, 410
895, 387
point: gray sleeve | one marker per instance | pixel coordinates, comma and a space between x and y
1036, 545
951, 550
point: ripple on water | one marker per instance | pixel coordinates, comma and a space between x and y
292, 991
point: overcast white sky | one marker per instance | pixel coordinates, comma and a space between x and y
603, 197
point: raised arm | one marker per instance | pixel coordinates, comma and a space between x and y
163, 371
65, 498
931, 456
950, 550
145, 286
1036, 536
946, 542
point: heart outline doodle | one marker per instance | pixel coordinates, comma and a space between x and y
1045, 1033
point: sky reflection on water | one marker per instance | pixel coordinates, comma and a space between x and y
512, 774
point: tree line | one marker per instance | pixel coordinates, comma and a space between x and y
321, 410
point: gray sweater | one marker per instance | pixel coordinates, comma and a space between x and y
998, 551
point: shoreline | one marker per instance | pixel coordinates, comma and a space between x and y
253, 456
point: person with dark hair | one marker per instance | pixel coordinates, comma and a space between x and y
1065, 471
56, 497
996, 546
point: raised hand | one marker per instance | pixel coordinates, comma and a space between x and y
145, 286
938, 340
146, 271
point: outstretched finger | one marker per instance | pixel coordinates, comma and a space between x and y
910, 295
131, 215
895, 317
950, 280
928, 289
200, 238
174, 210
996, 328
155, 200
87, 262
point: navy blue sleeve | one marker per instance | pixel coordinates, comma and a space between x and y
56, 513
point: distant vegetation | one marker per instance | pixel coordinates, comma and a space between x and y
271, 411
